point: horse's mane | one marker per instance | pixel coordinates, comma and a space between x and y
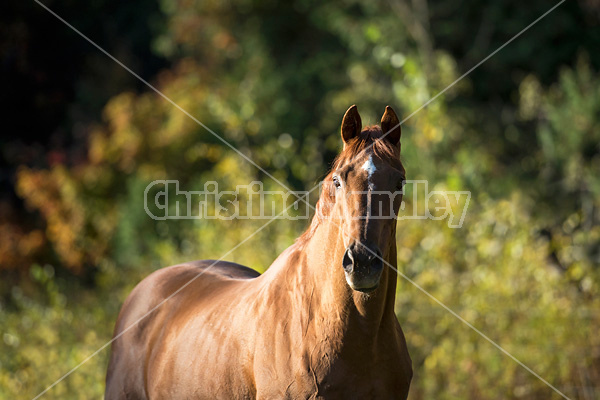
369, 137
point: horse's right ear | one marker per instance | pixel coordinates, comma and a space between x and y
351, 124
390, 126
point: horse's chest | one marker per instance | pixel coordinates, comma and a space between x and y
334, 386
329, 378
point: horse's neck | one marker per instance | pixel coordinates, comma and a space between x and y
317, 272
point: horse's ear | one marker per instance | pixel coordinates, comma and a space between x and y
351, 124
390, 126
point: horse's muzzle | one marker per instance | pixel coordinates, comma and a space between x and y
363, 266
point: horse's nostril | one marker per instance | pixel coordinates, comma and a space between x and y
373, 254
361, 259
348, 261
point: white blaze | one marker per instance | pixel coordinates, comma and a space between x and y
369, 166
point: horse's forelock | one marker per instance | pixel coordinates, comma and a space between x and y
369, 137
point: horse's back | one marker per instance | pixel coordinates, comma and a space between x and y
225, 269
148, 309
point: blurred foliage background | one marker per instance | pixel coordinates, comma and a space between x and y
82, 138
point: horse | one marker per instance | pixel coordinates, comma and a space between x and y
319, 323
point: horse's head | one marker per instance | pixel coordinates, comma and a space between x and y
364, 195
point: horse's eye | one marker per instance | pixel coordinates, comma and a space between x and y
336, 182
401, 184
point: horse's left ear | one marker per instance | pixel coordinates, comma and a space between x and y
390, 126
351, 125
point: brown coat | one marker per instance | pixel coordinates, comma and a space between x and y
298, 331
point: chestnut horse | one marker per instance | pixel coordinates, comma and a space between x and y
319, 323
